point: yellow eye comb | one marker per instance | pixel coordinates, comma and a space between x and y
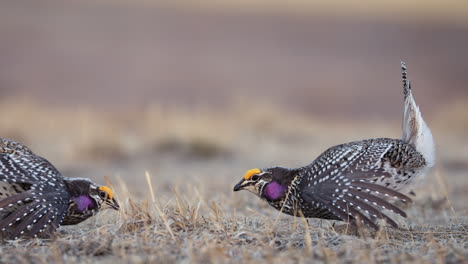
108, 190
251, 173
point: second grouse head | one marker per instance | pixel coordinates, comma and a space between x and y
269, 183
88, 196
104, 196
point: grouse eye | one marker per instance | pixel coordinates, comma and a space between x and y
255, 178
102, 194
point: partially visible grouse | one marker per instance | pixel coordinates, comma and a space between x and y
357, 180
35, 199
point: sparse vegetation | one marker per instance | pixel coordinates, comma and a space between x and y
183, 209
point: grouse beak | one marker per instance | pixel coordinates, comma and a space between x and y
114, 205
239, 186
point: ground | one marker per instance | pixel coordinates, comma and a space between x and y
175, 188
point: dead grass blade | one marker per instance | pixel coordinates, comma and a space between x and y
153, 199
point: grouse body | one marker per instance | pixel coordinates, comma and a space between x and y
35, 199
357, 180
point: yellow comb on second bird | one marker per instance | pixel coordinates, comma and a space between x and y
251, 173
108, 190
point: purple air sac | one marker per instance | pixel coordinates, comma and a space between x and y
83, 202
274, 191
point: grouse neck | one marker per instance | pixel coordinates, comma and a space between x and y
274, 191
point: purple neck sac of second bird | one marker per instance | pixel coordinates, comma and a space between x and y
274, 190
83, 202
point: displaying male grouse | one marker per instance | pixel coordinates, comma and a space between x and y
352, 181
35, 199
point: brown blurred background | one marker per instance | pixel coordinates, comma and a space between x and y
187, 88
327, 59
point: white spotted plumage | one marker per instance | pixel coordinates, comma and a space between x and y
34, 197
358, 180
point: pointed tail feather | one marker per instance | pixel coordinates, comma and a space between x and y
406, 82
415, 130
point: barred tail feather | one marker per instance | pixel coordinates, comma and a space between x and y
415, 130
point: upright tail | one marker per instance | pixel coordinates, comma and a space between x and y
415, 130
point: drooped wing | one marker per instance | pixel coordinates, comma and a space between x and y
35, 199
341, 180
29, 215
350, 199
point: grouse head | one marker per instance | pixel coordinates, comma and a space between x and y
89, 196
270, 183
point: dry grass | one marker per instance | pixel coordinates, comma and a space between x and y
173, 171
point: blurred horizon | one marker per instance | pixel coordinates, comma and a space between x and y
330, 61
